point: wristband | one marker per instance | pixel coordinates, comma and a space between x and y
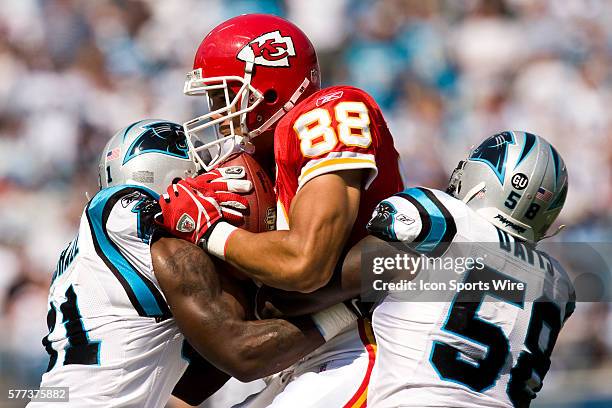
214, 243
333, 320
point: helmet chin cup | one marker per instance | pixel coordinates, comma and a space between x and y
246, 146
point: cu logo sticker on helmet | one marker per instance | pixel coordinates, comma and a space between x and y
269, 49
519, 181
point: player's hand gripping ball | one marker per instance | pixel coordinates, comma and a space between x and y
240, 193
193, 206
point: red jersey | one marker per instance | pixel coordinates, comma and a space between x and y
336, 128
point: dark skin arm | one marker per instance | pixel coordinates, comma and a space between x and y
345, 284
213, 320
303, 258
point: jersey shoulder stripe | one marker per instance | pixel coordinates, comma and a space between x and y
438, 225
143, 294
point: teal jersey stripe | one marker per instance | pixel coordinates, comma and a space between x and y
438, 222
146, 301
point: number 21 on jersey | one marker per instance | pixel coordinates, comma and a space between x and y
317, 135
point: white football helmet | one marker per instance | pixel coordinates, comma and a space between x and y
516, 180
151, 153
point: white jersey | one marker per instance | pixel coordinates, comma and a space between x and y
491, 351
112, 339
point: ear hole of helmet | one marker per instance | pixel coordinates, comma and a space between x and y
270, 96
454, 183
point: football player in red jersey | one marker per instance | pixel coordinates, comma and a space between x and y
334, 159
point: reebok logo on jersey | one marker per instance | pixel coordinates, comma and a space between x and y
185, 223
329, 97
404, 219
269, 49
130, 198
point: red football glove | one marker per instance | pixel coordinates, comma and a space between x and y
196, 217
222, 184
188, 214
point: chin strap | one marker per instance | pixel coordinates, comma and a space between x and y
559, 229
282, 111
248, 73
473, 192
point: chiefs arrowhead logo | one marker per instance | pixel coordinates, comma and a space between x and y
269, 49
185, 223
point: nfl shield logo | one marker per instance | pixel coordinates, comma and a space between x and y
185, 223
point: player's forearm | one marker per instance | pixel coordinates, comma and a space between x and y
268, 346
281, 259
303, 258
345, 284
272, 302
245, 349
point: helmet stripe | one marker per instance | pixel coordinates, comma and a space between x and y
555, 157
559, 200
144, 296
530, 141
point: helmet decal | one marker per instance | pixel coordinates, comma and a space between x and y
530, 141
508, 223
269, 49
494, 152
160, 137
113, 154
519, 181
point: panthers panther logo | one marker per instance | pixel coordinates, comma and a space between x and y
381, 225
160, 137
494, 152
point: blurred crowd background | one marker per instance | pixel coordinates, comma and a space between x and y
447, 73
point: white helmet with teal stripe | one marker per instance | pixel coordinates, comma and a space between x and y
151, 153
516, 180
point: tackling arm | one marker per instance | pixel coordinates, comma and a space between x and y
302, 258
213, 322
345, 284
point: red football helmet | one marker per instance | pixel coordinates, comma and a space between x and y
257, 66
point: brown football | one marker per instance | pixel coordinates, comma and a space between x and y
261, 215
